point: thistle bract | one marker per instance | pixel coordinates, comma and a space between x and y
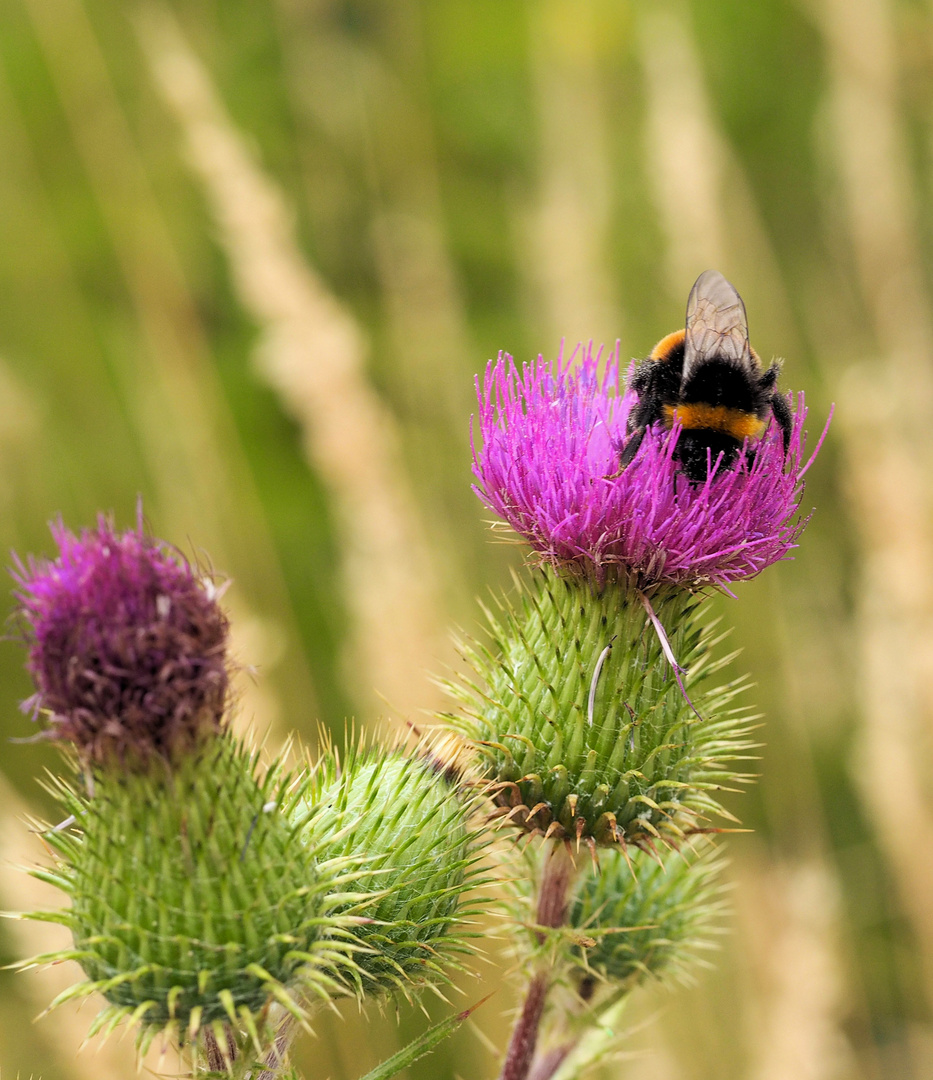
549, 464
127, 645
407, 828
645, 917
582, 726
192, 900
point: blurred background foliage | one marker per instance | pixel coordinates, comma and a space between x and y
252, 254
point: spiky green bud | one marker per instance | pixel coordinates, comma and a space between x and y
583, 724
193, 903
408, 827
644, 917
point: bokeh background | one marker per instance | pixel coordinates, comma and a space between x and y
253, 252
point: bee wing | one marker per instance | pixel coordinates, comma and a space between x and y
716, 324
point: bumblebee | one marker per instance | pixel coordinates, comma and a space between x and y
709, 380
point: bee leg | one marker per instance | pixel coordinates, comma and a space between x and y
751, 452
784, 418
769, 378
629, 450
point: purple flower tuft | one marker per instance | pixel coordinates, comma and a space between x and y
549, 465
127, 645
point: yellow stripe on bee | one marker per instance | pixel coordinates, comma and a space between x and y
697, 416
667, 345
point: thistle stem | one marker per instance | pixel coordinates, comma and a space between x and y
525, 1033
275, 1059
547, 1064
553, 902
216, 1060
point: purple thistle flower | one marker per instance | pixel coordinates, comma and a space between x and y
127, 644
552, 434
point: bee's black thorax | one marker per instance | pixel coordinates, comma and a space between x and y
719, 382
662, 375
721, 399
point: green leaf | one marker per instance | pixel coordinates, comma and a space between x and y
424, 1044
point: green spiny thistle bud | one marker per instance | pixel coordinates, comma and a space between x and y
409, 829
193, 902
645, 917
586, 729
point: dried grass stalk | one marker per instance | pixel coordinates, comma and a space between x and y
885, 418
312, 352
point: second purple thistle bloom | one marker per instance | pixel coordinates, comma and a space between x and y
549, 464
127, 644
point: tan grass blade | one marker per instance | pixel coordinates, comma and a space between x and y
566, 238
186, 433
791, 919
312, 353
885, 420
371, 97
706, 208
685, 153
708, 216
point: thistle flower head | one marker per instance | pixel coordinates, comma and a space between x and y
407, 829
549, 464
194, 904
581, 726
127, 644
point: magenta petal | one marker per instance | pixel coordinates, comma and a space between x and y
548, 464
